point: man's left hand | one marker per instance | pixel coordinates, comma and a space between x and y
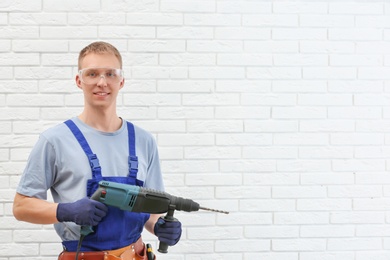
168, 232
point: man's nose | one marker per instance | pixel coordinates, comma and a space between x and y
102, 80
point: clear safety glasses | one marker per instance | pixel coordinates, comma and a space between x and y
92, 76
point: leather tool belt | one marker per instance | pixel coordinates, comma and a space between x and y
135, 251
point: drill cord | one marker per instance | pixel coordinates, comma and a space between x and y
79, 246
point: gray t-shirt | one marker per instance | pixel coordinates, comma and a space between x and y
57, 162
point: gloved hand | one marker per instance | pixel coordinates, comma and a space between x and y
82, 212
168, 232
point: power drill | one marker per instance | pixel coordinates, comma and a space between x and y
137, 199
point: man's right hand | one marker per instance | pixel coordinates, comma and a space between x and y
82, 212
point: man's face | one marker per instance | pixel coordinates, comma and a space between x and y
98, 80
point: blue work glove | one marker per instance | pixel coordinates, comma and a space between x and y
82, 212
168, 232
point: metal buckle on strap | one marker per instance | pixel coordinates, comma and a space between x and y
93, 161
133, 162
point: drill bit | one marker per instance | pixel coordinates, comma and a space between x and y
215, 210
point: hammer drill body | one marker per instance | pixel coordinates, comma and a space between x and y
138, 199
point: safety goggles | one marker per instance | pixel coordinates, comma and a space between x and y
92, 76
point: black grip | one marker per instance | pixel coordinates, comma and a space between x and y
163, 247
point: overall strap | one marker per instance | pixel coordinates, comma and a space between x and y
92, 158
133, 159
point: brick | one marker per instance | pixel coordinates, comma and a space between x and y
327, 47
299, 34
39, 46
159, 72
269, 152
154, 19
299, 192
354, 244
242, 112
20, 5
96, 19
330, 21
268, 99
271, 46
327, 231
216, 152
299, 244
210, 99
216, 72
37, 19
296, 218
156, 45
86, 6
242, 245
214, 46
205, 6
273, 126
327, 178
274, 72
185, 86
357, 8
300, 60
357, 217
214, 126
356, 60
186, 112
214, 179
243, 7
150, 99
272, 232
187, 59
324, 204
271, 179
244, 59
130, 6
244, 86
354, 112
355, 86
185, 32
300, 7
250, 33
317, 152
276, 20
200, 19
127, 32
327, 255
329, 73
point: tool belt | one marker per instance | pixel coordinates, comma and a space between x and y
135, 251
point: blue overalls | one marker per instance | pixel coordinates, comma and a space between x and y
118, 228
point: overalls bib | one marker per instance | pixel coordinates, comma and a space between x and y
118, 228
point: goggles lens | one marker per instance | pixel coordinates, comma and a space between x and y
93, 75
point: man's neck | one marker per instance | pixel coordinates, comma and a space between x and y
105, 122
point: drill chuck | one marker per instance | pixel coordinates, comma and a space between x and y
184, 204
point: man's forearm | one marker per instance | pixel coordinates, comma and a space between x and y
149, 225
34, 210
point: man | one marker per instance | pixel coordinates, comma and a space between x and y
71, 158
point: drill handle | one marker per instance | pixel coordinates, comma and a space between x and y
163, 247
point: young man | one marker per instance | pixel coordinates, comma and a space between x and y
71, 158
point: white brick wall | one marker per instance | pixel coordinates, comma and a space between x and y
277, 111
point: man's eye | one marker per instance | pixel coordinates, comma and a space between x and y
90, 74
110, 74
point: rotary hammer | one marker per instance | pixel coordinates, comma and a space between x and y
138, 199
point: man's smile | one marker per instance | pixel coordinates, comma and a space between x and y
101, 93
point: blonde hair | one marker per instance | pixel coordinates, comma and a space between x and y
99, 48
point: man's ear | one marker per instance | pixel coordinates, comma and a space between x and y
122, 83
78, 81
